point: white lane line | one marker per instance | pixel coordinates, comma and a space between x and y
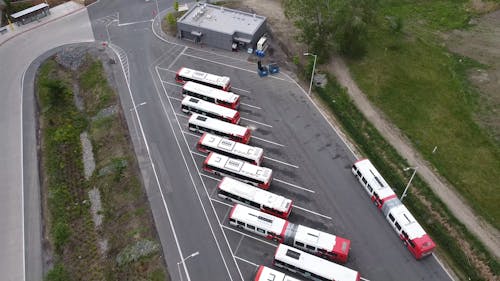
134, 22
22, 179
177, 57
268, 141
221, 202
194, 184
154, 170
249, 105
281, 162
197, 153
442, 265
256, 122
364, 279
249, 236
210, 177
312, 212
294, 185
243, 90
249, 262
231, 66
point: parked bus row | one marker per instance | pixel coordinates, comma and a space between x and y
246, 182
416, 240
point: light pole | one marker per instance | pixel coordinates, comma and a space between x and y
409, 182
314, 67
184, 260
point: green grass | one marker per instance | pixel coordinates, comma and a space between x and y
93, 81
390, 164
424, 91
73, 237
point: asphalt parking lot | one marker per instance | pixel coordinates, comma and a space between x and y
311, 166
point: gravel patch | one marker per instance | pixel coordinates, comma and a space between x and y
96, 206
88, 155
72, 57
108, 111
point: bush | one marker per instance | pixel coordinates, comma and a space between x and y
171, 19
61, 233
57, 273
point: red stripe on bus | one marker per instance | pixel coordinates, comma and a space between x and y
259, 272
341, 249
232, 211
283, 231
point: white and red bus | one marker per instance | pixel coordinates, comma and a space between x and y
312, 267
233, 149
416, 240
249, 173
226, 99
186, 74
239, 192
194, 105
205, 124
255, 221
315, 242
265, 273
378, 189
319, 243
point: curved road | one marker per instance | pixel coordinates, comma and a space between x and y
15, 57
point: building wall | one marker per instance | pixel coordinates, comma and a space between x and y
216, 39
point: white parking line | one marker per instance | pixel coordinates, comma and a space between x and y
182, 115
191, 134
268, 141
249, 236
249, 105
210, 177
249, 262
174, 98
172, 84
177, 57
166, 69
294, 185
364, 279
197, 153
281, 162
312, 212
221, 202
231, 66
256, 122
246, 91
194, 185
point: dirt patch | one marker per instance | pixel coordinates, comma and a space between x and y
482, 43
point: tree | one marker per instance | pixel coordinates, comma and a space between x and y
326, 25
176, 5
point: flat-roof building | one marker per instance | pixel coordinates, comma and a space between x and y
221, 27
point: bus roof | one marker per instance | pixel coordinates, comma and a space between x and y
239, 166
406, 220
315, 237
200, 75
376, 181
210, 107
229, 97
265, 273
258, 218
226, 144
217, 124
315, 265
255, 194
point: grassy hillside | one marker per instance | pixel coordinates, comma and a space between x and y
424, 89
